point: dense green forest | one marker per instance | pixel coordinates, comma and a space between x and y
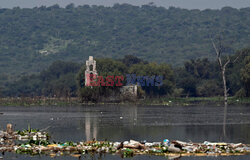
32, 39
197, 78
41, 49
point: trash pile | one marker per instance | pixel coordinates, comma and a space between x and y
29, 134
38, 143
9, 139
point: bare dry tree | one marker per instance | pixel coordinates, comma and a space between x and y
222, 65
222, 68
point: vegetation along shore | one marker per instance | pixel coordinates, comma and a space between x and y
150, 101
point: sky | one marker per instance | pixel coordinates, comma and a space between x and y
189, 4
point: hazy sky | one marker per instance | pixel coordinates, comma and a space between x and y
190, 4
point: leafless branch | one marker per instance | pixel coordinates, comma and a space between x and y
218, 54
216, 50
236, 58
228, 61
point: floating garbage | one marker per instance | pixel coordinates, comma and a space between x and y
34, 142
29, 134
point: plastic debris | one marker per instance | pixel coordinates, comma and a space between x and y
156, 144
166, 142
36, 142
116, 144
148, 144
174, 149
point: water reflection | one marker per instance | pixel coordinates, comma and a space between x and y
224, 121
95, 123
90, 126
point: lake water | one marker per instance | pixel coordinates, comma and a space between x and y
124, 122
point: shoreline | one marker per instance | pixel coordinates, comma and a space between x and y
166, 101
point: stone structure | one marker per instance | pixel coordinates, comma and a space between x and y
129, 91
90, 71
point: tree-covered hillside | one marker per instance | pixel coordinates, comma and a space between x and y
197, 78
31, 39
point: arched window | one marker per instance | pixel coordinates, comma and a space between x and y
91, 67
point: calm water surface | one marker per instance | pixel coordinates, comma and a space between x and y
120, 123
